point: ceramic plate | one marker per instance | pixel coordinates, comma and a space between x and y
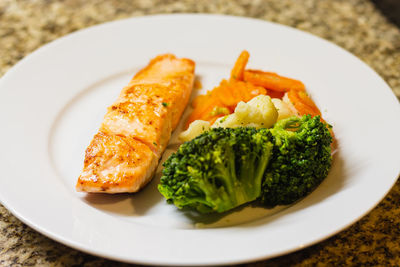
52, 103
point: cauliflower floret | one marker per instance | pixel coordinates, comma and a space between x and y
284, 111
286, 100
259, 112
195, 128
228, 121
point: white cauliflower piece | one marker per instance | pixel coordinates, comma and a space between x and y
259, 112
284, 111
195, 128
229, 121
286, 100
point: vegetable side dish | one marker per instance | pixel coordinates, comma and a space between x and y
256, 136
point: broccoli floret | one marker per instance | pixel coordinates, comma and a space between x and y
226, 167
301, 159
218, 170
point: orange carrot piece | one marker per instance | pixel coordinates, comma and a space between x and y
275, 94
210, 114
201, 109
199, 100
272, 81
240, 65
256, 90
232, 86
299, 104
244, 85
308, 101
246, 90
225, 95
202, 112
240, 90
304, 105
213, 119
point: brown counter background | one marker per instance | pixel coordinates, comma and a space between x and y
356, 25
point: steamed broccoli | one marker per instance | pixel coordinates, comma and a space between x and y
226, 167
301, 159
218, 170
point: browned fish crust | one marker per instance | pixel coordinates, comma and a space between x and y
124, 154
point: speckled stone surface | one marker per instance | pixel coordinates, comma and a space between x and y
356, 25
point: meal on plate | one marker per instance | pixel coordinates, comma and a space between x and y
124, 154
256, 136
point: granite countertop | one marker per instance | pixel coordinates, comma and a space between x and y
356, 25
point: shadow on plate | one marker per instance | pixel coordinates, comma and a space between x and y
128, 204
332, 185
132, 204
254, 214
246, 215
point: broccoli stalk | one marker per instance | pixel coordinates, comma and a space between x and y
301, 159
218, 170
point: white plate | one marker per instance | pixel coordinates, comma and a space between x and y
52, 102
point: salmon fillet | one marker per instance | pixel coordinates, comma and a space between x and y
136, 129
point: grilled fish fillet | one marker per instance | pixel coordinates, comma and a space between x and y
124, 154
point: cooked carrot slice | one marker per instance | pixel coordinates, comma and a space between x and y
199, 100
233, 87
224, 93
240, 65
241, 89
254, 90
300, 105
199, 111
304, 105
205, 111
244, 91
215, 112
275, 94
308, 101
272, 81
213, 119
244, 85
